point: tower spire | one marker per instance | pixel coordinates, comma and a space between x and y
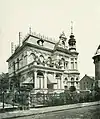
71, 27
72, 41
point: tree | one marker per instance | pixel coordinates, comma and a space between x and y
72, 88
4, 85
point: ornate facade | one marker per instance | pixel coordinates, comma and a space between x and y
45, 64
96, 59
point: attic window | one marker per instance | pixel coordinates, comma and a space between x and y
40, 42
76, 78
66, 79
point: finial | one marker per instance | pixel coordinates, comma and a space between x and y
19, 38
62, 36
30, 30
71, 27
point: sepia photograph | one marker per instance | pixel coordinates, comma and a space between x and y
49, 59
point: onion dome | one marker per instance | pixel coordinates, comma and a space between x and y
72, 41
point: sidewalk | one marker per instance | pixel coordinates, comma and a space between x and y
35, 111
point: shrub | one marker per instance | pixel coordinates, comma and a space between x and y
72, 88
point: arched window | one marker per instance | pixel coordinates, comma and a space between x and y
72, 79
49, 61
40, 79
41, 58
66, 87
58, 75
22, 79
62, 63
77, 79
66, 79
66, 65
31, 58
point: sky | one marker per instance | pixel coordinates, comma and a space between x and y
50, 18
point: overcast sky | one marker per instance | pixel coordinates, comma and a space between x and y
50, 18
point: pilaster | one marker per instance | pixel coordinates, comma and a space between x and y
45, 80
35, 79
62, 84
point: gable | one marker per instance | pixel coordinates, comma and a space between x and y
87, 78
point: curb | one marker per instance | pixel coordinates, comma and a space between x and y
36, 111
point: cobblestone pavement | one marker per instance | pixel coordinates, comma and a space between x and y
92, 112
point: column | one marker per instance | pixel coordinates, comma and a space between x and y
35, 79
62, 84
41, 79
45, 80
69, 65
55, 85
58, 83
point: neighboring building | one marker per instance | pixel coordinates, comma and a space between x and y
87, 83
96, 59
45, 64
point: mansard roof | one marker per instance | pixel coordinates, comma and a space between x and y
48, 45
30, 45
44, 39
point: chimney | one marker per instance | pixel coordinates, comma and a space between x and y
20, 39
12, 47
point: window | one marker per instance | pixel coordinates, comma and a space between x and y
76, 82
98, 58
76, 78
66, 65
49, 61
17, 63
13, 66
40, 79
62, 63
41, 58
40, 42
72, 79
66, 79
21, 62
75, 65
66, 87
9, 66
72, 65
72, 83
60, 83
75, 58
72, 59
31, 58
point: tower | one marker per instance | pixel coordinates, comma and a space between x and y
96, 59
72, 41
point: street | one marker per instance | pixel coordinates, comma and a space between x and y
92, 112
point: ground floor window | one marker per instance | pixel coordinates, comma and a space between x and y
50, 86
